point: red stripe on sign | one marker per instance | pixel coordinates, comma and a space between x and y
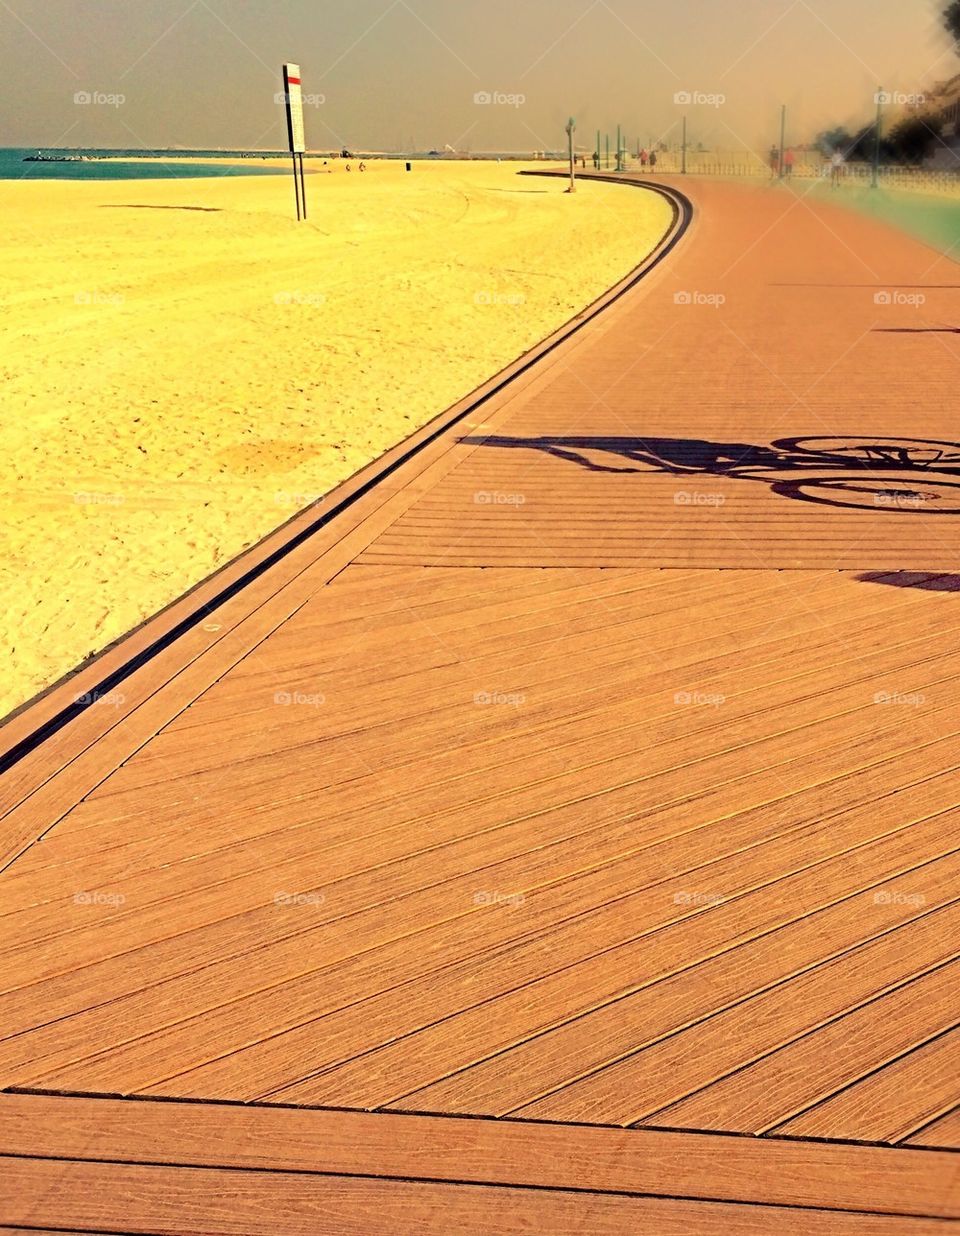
293, 81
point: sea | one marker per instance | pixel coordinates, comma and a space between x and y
129, 164
73, 164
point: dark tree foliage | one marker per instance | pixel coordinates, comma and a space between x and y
913, 139
951, 19
835, 139
854, 146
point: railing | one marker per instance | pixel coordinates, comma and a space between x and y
807, 167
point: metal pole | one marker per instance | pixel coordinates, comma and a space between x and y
606, 161
619, 150
876, 140
296, 185
783, 134
683, 163
303, 188
598, 150
571, 128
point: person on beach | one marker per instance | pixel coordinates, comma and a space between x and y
788, 161
774, 162
363, 167
643, 158
836, 168
653, 160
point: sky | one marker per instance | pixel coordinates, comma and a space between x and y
476, 75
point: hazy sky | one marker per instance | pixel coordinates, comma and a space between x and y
203, 73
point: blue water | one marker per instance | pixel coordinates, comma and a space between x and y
179, 166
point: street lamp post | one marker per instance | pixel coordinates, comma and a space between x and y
571, 129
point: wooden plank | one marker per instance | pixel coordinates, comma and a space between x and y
636, 1088
516, 1153
477, 1009
285, 947
291, 985
659, 686
891, 1103
813, 1067
419, 731
754, 715
177, 1202
550, 1033
236, 696
602, 770
202, 947
944, 1132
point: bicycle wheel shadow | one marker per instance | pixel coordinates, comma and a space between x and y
905, 474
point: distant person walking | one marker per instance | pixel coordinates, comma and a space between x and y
836, 168
774, 162
788, 161
643, 158
653, 160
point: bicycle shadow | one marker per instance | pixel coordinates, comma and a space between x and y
880, 471
678, 456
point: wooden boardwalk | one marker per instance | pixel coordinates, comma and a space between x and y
557, 828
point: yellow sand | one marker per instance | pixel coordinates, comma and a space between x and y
177, 382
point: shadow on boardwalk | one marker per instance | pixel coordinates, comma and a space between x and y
906, 475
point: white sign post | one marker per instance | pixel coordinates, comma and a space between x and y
293, 95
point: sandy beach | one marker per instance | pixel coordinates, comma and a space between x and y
186, 366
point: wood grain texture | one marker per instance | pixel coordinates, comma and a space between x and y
811, 1175
875, 1108
944, 1132
174, 1202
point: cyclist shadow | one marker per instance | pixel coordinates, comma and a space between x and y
865, 462
678, 456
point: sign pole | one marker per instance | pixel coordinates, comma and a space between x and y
293, 97
296, 186
571, 129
